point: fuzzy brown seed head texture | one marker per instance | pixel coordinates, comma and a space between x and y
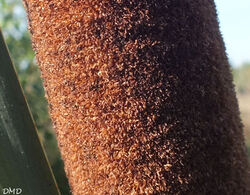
140, 95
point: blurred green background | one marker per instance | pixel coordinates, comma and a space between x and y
14, 27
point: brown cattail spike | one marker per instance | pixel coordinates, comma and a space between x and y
141, 96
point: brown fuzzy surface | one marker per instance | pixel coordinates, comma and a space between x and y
141, 96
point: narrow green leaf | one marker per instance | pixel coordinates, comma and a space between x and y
23, 163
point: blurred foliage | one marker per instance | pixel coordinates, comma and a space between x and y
242, 78
242, 84
14, 27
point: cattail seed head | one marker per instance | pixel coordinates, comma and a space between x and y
140, 95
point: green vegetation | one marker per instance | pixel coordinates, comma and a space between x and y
242, 84
14, 27
13, 24
242, 78
23, 163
